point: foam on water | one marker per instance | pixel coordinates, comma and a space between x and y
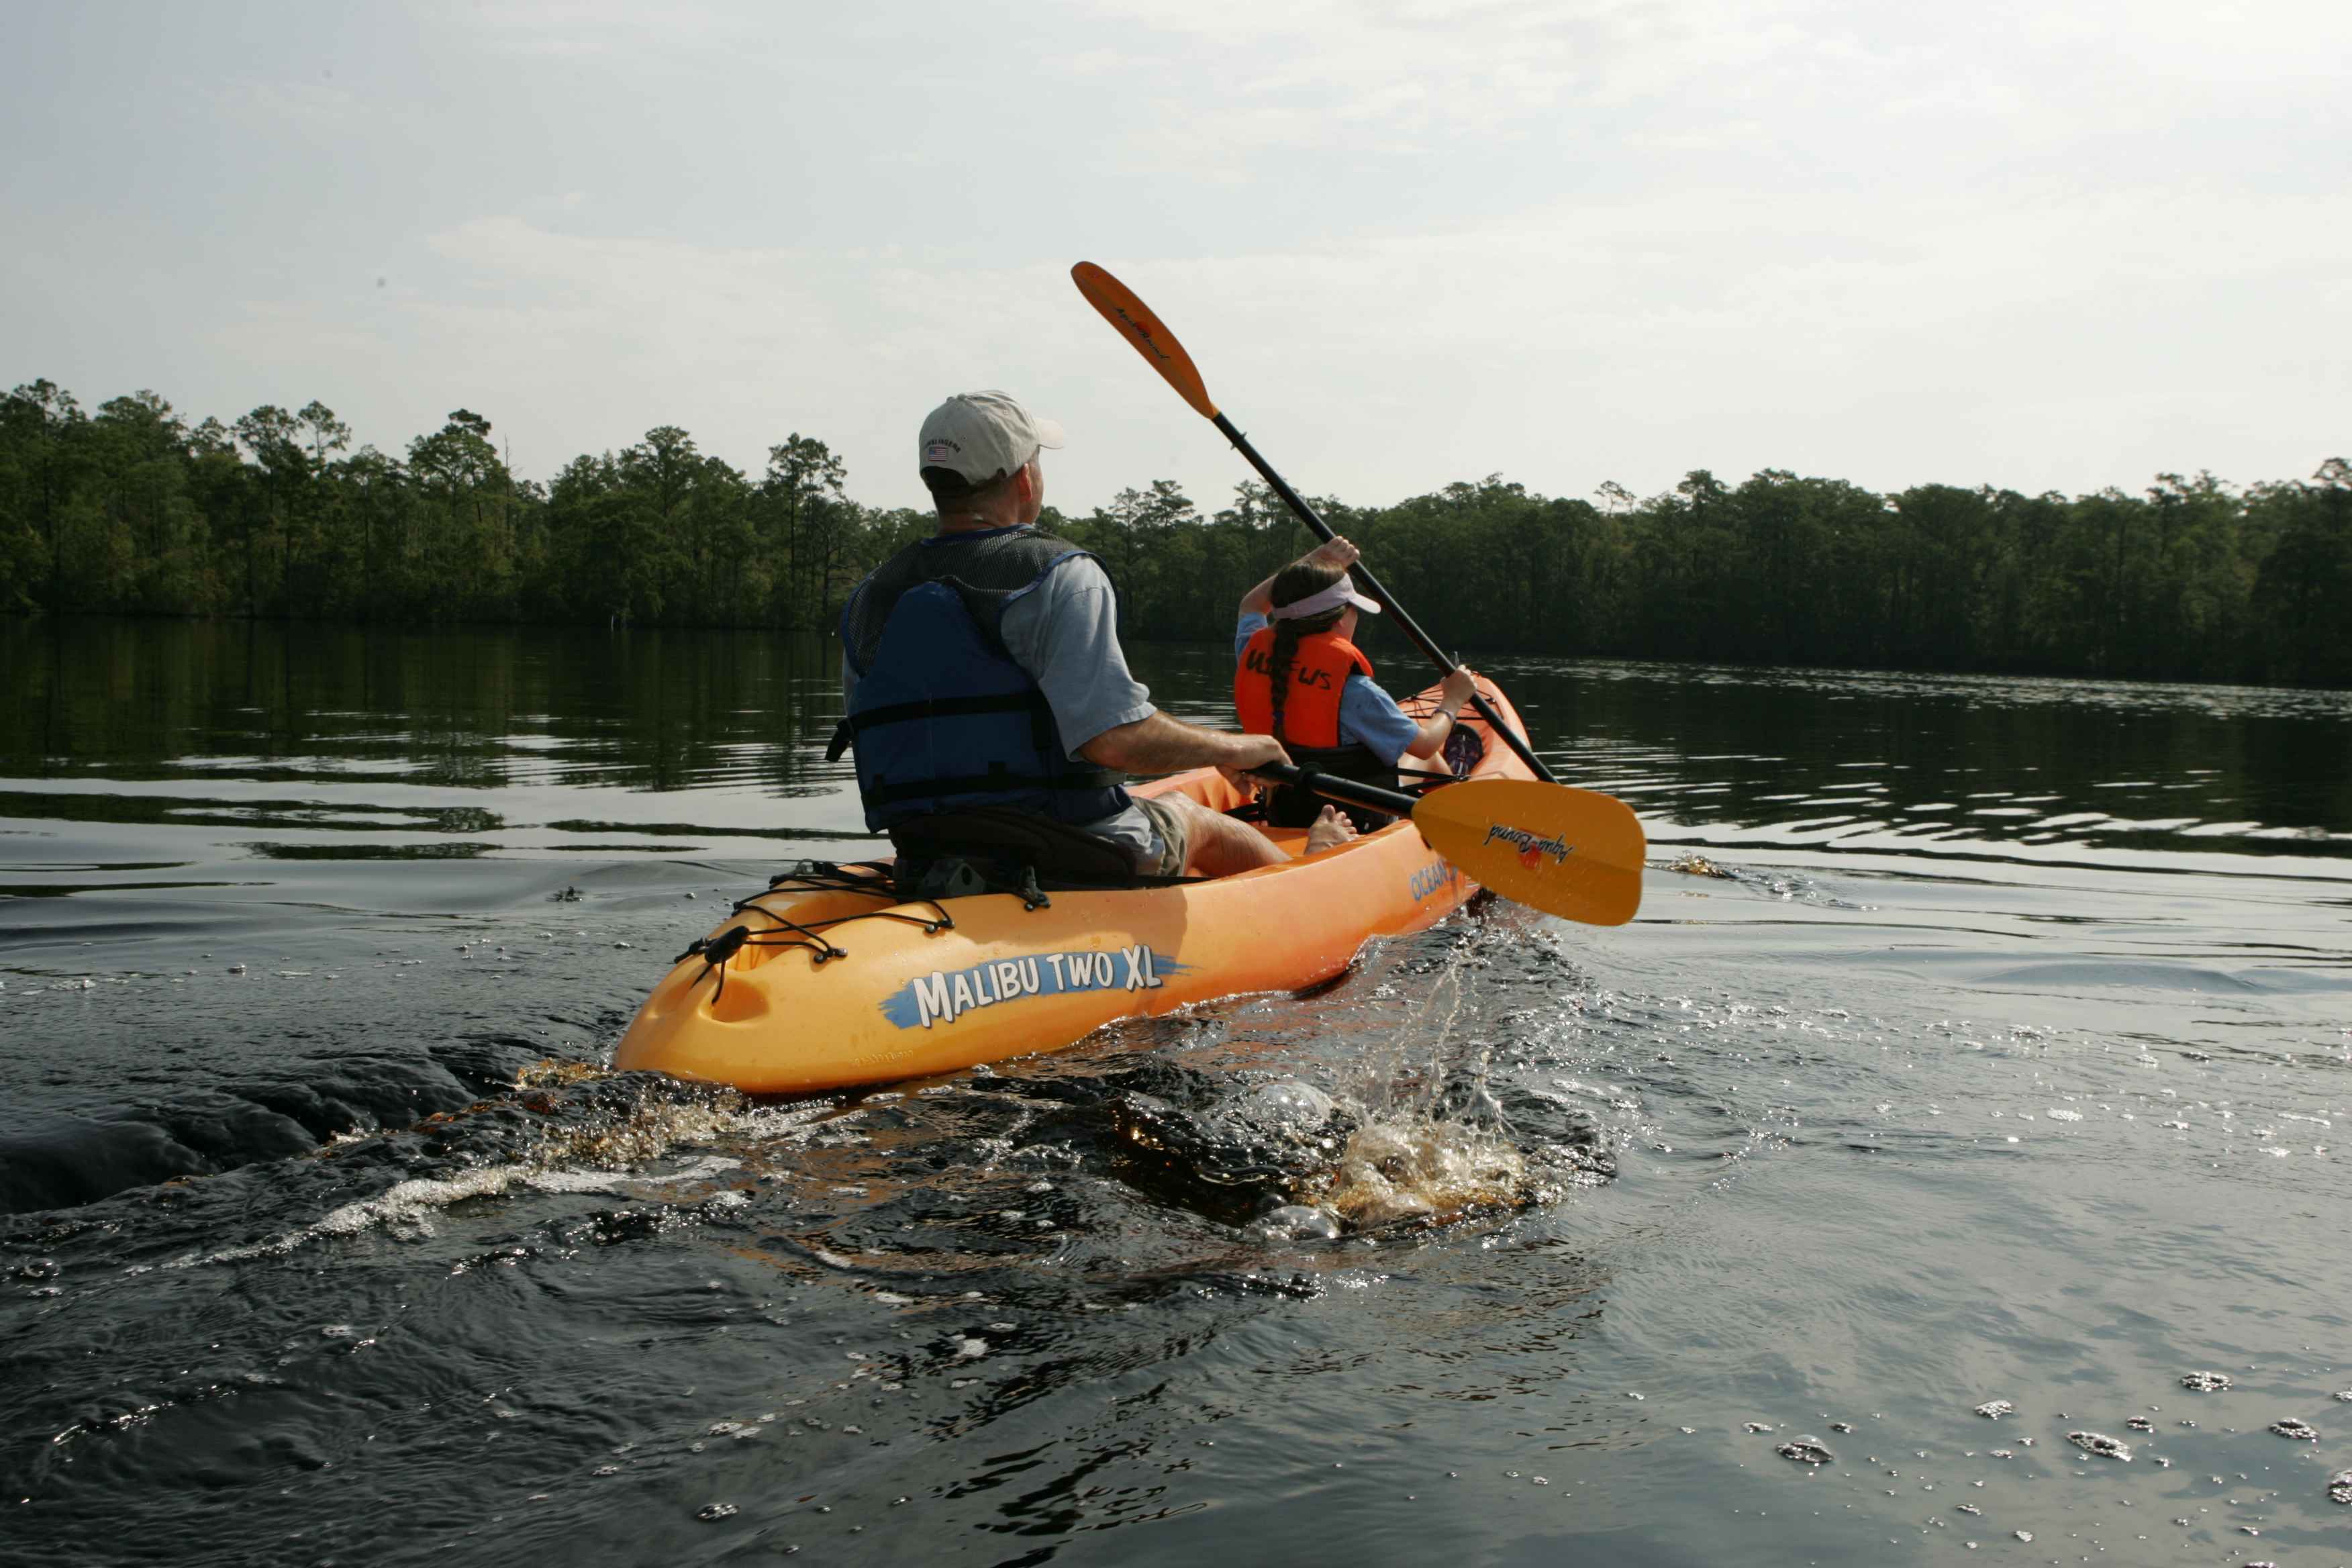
1297, 1221
1293, 1161
1421, 1138
603, 1151
1417, 1168
2102, 1444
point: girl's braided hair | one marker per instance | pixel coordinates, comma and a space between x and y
1292, 584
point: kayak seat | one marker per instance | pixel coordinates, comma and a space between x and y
997, 849
1465, 750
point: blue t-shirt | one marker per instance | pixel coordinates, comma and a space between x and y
1367, 715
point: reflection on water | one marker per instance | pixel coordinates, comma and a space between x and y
1974, 1076
502, 738
461, 708
1944, 764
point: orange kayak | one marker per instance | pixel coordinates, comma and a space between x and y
836, 982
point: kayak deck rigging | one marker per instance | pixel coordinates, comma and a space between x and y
859, 879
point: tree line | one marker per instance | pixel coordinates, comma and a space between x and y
133, 509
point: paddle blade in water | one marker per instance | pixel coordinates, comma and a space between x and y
1139, 326
1568, 852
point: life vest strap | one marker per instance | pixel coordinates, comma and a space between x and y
1076, 780
853, 725
947, 708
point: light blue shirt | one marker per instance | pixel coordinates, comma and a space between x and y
1368, 716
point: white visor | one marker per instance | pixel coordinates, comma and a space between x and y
1343, 592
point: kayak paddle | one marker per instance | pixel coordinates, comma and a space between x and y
1158, 346
1566, 851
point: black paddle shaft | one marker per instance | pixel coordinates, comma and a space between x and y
1404, 622
1347, 791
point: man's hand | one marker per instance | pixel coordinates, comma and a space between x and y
1461, 685
1252, 751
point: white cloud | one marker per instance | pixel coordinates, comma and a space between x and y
275, 105
1409, 241
1932, 336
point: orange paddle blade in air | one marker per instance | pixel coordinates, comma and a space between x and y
1568, 852
1150, 337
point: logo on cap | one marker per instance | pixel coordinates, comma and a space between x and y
941, 451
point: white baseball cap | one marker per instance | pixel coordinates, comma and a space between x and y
979, 436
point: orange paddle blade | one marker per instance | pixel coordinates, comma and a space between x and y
1150, 337
1568, 852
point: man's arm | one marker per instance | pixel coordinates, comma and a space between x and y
1159, 744
1064, 633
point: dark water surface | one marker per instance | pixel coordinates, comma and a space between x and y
2006, 1063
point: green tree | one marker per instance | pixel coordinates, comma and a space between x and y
135, 508
802, 500
274, 437
156, 553
42, 425
465, 539
2307, 579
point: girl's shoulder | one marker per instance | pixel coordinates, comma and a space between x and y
1365, 690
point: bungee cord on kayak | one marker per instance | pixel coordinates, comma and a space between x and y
856, 878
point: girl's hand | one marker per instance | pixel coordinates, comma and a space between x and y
1336, 552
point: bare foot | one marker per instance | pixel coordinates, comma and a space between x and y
1332, 829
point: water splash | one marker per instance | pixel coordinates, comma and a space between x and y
595, 1134
1427, 1171
1295, 1162
2102, 1444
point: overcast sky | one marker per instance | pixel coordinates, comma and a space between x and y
2048, 245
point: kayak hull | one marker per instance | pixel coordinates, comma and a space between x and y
911, 996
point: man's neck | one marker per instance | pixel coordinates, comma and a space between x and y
973, 522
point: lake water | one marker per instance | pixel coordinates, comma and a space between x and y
2011, 1061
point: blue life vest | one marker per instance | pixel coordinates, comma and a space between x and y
943, 717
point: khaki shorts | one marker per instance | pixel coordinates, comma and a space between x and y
1175, 832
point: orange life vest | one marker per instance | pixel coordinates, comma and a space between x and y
1310, 713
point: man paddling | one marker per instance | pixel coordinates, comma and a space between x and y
988, 697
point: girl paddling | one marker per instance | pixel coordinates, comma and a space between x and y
1300, 678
